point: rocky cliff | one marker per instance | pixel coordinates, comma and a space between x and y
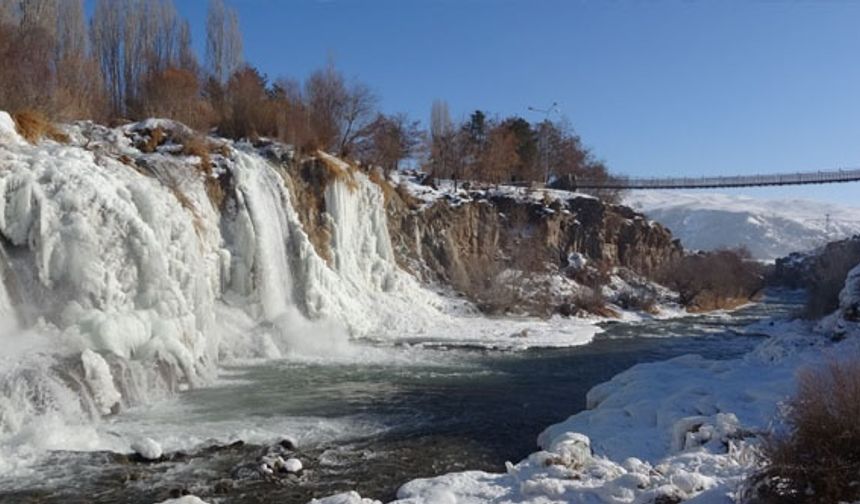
537, 251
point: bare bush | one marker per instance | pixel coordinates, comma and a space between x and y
174, 93
639, 300
707, 280
817, 461
247, 113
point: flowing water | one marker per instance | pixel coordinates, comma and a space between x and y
392, 414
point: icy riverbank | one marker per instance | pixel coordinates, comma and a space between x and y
686, 429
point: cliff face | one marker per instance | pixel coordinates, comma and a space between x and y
448, 238
539, 252
540, 243
822, 273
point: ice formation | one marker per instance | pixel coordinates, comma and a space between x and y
121, 282
118, 258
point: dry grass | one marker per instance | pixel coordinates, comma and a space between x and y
198, 145
818, 460
156, 137
391, 192
216, 191
388, 190
34, 126
330, 170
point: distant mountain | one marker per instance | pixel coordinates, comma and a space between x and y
769, 228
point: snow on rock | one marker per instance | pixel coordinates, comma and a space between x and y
768, 228
186, 499
344, 498
293, 465
147, 448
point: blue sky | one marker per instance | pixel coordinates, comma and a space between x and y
654, 87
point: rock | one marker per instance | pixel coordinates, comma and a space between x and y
287, 443
454, 243
293, 465
147, 449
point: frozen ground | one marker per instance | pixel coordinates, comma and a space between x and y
768, 228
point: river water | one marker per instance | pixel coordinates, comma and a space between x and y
370, 423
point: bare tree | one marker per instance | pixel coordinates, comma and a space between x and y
187, 58
499, 157
249, 114
325, 92
292, 118
71, 30
175, 93
223, 41
339, 113
442, 139
8, 12
389, 140
41, 14
106, 35
80, 88
356, 114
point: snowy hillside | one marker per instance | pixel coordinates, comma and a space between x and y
768, 228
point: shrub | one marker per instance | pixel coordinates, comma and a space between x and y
33, 126
175, 93
828, 278
818, 459
705, 280
247, 111
640, 300
197, 145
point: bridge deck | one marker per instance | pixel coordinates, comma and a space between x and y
779, 179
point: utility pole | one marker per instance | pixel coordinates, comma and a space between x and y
544, 137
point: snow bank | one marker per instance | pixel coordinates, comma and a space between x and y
677, 429
768, 228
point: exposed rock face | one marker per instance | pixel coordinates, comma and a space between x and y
447, 241
799, 270
822, 273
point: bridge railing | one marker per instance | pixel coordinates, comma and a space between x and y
819, 177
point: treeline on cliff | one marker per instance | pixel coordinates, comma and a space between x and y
133, 59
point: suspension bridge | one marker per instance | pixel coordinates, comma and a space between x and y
776, 179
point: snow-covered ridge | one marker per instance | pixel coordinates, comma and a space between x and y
768, 228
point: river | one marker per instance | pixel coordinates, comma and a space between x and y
390, 414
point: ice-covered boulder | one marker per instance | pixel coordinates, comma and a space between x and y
148, 449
